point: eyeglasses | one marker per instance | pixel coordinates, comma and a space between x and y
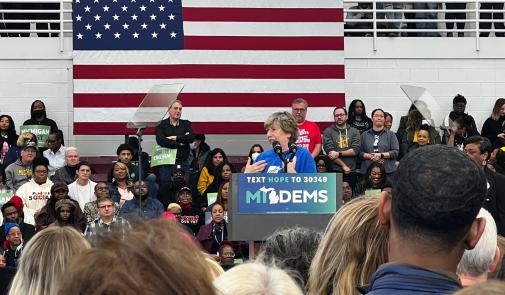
299, 110
339, 115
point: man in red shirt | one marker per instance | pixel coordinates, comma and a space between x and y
310, 136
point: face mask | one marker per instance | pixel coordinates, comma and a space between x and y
254, 156
38, 113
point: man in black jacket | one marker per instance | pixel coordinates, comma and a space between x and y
10, 215
175, 133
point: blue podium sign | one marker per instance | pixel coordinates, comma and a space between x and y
308, 193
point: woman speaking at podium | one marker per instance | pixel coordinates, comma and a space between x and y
285, 156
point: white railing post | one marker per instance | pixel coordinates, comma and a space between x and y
374, 6
61, 27
477, 25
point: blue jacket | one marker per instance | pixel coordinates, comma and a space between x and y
304, 161
152, 208
395, 278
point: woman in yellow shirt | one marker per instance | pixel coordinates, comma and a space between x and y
216, 157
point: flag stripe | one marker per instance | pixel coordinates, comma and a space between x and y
233, 57
208, 71
264, 3
263, 14
119, 100
266, 29
109, 128
263, 43
213, 85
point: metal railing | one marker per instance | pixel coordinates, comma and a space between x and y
398, 18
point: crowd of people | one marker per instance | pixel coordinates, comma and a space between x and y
418, 198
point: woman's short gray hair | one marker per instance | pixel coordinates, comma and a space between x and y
286, 122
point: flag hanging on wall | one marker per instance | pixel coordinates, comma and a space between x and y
239, 60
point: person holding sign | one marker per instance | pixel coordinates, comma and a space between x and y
285, 156
374, 181
38, 116
175, 134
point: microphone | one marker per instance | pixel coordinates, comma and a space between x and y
277, 147
293, 148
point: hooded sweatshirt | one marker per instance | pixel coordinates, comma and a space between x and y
34, 196
338, 140
17, 174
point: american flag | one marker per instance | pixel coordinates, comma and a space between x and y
239, 60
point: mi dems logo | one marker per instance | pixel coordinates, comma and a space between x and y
272, 196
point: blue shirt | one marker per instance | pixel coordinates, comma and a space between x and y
304, 161
152, 208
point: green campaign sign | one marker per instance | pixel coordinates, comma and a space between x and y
163, 156
41, 131
5, 197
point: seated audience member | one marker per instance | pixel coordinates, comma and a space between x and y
223, 174
82, 189
223, 195
65, 214
140, 253
342, 144
214, 268
458, 111
213, 234
124, 154
168, 192
493, 125
106, 220
254, 152
37, 191
13, 244
256, 278
8, 136
45, 259
14, 152
347, 193
388, 120
3, 182
20, 172
55, 152
141, 205
353, 246
120, 184
7, 273
91, 208
323, 164
18, 202
38, 116
199, 153
492, 287
357, 116
292, 250
190, 215
10, 215
459, 133
67, 173
379, 145
374, 181
226, 255
479, 149
499, 161
430, 225
415, 123
474, 266
216, 157
176, 210
47, 215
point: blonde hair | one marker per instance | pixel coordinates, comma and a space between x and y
23, 137
173, 205
354, 245
286, 122
256, 278
215, 269
45, 259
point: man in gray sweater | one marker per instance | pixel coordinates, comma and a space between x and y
20, 172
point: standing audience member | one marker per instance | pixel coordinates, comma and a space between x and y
432, 219
10, 215
55, 152
45, 259
68, 173
493, 125
47, 215
353, 246
215, 158
120, 184
374, 181
379, 145
8, 136
140, 253
82, 190
38, 116
36, 192
141, 205
256, 278
309, 136
474, 266
388, 120
292, 250
479, 149
107, 219
91, 208
357, 116
199, 152
175, 133
213, 234
342, 144
13, 244
458, 111
20, 172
